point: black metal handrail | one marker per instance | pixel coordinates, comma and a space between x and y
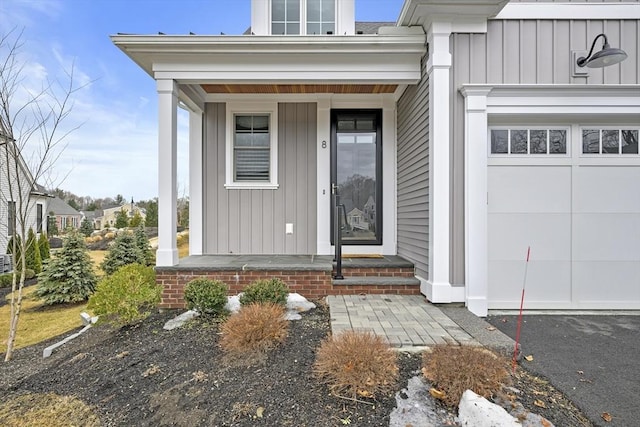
337, 225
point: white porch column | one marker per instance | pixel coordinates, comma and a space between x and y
476, 193
438, 286
167, 253
196, 184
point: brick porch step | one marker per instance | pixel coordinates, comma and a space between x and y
376, 281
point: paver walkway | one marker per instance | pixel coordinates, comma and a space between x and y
407, 321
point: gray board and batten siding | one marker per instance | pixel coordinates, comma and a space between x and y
250, 221
574, 1
413, 174
526, 52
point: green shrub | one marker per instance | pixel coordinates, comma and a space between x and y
6, 280
206, 295
68, 277
127, 296
29, 274
265, 290
123, 251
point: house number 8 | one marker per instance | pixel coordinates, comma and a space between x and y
324, 144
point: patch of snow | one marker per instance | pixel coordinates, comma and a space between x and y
416, 407
296, 304
476, 411
180, 320
233, 303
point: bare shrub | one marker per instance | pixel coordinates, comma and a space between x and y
357, 363
254, 330
454, 369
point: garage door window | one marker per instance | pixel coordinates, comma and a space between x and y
609, 141
507, 141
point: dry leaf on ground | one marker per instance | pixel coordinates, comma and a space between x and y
607, 417
529, 358
539, 403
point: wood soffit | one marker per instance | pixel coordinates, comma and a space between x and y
298, 89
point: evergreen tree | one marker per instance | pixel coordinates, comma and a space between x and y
68, 277
32, 255
136, 220
152, 214
52, 225
123, 251
142, 242
122, 219
43, 245
86, 227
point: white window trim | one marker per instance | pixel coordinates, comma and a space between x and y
270, 108
606, 155
535, 156
303, 18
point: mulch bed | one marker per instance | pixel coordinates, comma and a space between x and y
146, 376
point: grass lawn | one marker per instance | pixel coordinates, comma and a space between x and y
37, 321
97, 257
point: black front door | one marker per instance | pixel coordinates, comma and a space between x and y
356, 172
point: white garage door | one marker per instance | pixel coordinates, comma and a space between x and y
573, 195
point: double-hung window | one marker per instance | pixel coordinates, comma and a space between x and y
303, 17
251, 157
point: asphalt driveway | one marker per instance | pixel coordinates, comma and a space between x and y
594, 360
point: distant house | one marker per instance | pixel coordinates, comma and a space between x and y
19, 193
65, 216
92, 216
109, 216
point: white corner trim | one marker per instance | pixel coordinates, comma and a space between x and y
270, 108
478, 306
572, 11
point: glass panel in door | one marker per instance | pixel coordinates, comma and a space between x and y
356, 171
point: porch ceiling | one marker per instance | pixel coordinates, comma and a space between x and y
298, 89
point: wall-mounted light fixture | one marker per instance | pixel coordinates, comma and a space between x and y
607, 56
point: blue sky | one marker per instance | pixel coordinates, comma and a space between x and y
114, 150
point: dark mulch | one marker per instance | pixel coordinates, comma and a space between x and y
146, 376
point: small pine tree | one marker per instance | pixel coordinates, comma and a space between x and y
123, 251
152, 214
68, 277
32, 255
122, 219
86, 227
43, 245
142, 242
136, 220
52, 225
18, 249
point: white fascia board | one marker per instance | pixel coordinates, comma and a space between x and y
147, 51
423, 12
571, 11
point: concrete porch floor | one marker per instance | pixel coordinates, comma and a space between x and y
409, 322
